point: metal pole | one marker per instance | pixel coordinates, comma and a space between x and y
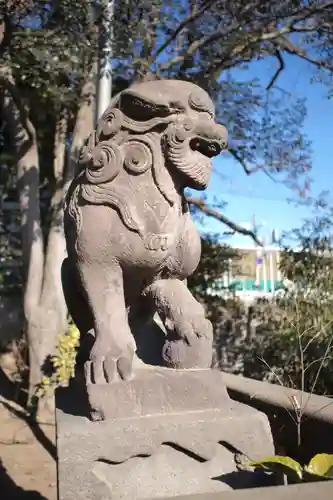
264, 262
271, 271
279, 276
104, 82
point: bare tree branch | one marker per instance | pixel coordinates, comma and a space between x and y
309, 11
205, 40
210, 212
270, 35
190, 18
258, 168
278, 71
292, 49
242, 162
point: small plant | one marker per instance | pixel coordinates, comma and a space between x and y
63, 363
320, 467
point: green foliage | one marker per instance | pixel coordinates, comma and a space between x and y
202, 42
63, 363
51, 52
226, 313
293, 344
284, 465
319, 467
53, 45
212, 265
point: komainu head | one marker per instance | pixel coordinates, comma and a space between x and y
178, 117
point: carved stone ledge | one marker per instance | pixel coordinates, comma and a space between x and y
319, 491
179, 436
159, 391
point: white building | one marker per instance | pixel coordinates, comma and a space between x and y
255, 273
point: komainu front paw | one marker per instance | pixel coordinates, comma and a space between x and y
189, 343
108, 364
189, 327
179, 354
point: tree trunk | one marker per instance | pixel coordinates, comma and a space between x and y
84, 124
44, 305
23, 138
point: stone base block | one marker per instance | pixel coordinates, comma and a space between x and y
159, 450
158, 391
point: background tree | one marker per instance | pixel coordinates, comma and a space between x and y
227, 313
47, 84
293, 345
48, 89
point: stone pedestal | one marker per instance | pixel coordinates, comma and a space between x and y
166, 433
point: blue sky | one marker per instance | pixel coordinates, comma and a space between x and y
257, 194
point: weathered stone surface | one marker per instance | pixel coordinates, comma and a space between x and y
159, 391
160, 449
131, 242
303, 491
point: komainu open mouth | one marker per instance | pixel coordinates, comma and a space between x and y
206, 147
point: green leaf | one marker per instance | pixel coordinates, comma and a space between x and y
321, 465
285, 465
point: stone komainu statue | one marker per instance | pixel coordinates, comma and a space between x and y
131, 241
